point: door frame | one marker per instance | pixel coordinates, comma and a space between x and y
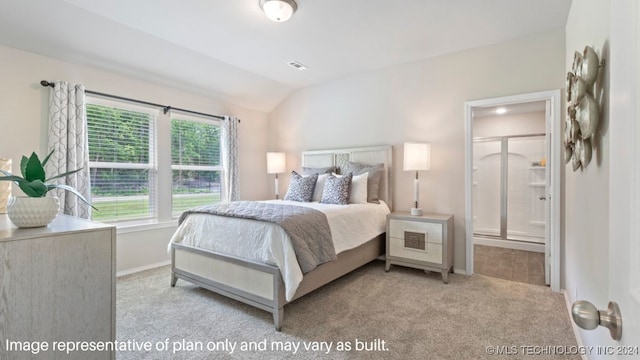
553, 128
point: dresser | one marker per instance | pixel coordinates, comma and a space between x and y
423, 242
57, 284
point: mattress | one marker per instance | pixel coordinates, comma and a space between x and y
351, 226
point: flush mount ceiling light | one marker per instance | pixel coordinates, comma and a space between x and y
278, 10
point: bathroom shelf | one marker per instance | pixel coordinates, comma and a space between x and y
537, 168
537, 223
537, 184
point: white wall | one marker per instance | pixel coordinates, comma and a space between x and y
505, 125
420, 101
24, 104
586, 235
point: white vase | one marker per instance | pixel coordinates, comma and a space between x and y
28, 212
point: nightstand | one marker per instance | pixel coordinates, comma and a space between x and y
423, 242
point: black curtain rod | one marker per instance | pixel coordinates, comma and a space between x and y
165, 108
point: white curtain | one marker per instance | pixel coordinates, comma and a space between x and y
229, 154
68, 138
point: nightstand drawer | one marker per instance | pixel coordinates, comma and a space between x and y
433, 231
432, 253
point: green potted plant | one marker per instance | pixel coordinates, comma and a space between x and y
36, 209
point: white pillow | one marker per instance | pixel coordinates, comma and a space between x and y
358, 192
317, 192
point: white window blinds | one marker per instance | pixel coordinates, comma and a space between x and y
195, 162
122, 156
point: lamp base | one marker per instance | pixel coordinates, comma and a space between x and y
416, 211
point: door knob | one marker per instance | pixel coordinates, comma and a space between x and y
588, 317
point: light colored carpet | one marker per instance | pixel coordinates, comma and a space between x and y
416, 315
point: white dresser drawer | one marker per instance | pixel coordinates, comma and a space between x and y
432, 253
433, 231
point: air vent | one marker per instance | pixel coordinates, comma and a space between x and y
296, 65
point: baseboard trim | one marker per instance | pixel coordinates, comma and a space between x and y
576, 331
143, 268
459, 271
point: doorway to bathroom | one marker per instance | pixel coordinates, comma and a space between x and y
512, 176
509, 194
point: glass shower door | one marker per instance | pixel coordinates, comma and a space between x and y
526, 189
487, 169
509, 187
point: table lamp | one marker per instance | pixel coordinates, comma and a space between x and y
417, 156
276, 165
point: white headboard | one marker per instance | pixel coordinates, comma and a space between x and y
366, 155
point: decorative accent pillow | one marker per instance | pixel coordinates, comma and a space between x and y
317, 193
320, 170
358, 189
374, 178
301, 187
336, 190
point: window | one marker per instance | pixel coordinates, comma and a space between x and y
147, 165
195, 163
121, 162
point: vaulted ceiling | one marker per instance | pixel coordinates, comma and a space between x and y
229, 49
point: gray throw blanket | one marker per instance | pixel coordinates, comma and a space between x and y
308, 228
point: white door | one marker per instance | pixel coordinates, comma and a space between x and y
624, 176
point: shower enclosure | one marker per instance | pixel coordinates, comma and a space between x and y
509, 187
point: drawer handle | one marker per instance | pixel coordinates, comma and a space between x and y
415, 240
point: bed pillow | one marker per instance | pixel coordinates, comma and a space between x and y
358, 189
301, 187
317, 192
373, 179
336, 189
320, 170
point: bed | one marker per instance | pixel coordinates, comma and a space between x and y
257, 279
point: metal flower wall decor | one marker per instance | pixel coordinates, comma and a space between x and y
583, 110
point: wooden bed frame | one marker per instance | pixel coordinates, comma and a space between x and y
261, 285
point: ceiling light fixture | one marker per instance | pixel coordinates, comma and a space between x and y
278, 10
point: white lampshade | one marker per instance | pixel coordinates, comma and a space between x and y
278, 10
276, 163
417, 156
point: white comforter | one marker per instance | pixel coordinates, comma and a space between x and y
351, 225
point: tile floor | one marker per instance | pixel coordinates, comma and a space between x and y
509, 264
